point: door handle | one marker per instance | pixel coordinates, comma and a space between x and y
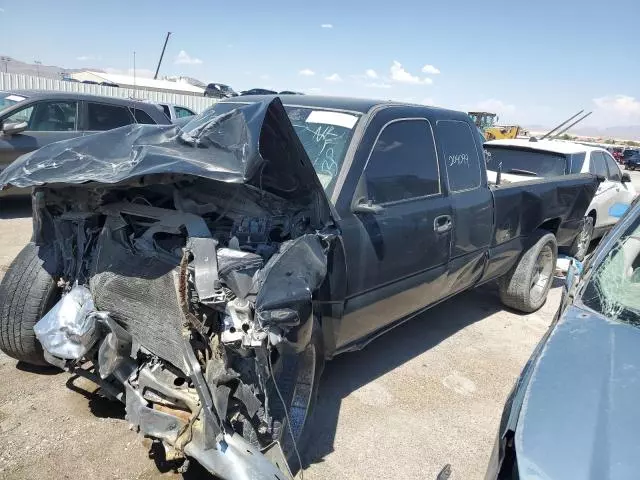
442, 224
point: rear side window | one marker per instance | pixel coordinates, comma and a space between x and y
142, 117
182, 112
614, 171
577, 162
460, 154
597, 165
403, 163
107, 117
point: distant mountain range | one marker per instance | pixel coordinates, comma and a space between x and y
626, 132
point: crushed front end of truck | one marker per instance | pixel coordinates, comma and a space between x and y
187, 264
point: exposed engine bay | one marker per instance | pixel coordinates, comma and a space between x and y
195, 301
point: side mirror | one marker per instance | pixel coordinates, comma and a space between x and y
367, 206
14, 128
626, 178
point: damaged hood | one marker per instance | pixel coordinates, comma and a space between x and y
254, 144
579, 416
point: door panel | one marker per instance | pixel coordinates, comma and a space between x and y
397, 264
606, 193
397, 261
624, 192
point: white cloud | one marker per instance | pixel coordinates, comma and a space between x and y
493, 105
314, 90
377, 85
265, 76
400, 75
184, 58
84, 58
326, 25
430, 70
333, 78
306, 72
371, 73
624, 107
1, 10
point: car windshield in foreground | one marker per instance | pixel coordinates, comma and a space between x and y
8, 99
325, 135
614, 287
533, 162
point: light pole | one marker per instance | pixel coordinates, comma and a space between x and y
6, 61
38, 63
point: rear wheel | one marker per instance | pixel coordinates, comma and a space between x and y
27, 292
526, 285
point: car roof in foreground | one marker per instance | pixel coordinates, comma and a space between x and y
45, 94
554, 146
356, 105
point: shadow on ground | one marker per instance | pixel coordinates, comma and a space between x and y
99, 405
349, 372
19, 207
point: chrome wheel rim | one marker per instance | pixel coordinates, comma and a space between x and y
542, 273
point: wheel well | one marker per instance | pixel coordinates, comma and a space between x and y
550, 225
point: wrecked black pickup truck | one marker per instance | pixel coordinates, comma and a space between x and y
203, 276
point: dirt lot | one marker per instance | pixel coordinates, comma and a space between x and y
426, 394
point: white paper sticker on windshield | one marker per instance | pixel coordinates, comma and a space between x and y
345, 120
14, 98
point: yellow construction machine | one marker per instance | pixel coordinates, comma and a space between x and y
486, 122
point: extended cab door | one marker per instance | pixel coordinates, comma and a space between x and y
466, 183
48, 121
396, 226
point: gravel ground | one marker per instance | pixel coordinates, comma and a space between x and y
426, 394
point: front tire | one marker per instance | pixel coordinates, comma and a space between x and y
298, 379
526, 285
27, 292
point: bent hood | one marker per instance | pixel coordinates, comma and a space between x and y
579, 418
254, 144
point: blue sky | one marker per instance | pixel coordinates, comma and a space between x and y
534, 62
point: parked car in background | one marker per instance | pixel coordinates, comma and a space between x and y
40, 118
109, 84
219, 90
259, 91
522, 160
631, 159
174, 112
289, 92
573, 413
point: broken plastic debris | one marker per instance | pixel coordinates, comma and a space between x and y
68, 330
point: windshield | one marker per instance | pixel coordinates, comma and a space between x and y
9, 99
614, 287
526, 162
630, 153
325, 135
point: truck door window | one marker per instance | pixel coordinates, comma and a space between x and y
460, 154
403, 163
597, 165
614, 171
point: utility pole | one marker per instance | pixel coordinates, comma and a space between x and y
38, 63
134, 71
6, 61
164, 47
